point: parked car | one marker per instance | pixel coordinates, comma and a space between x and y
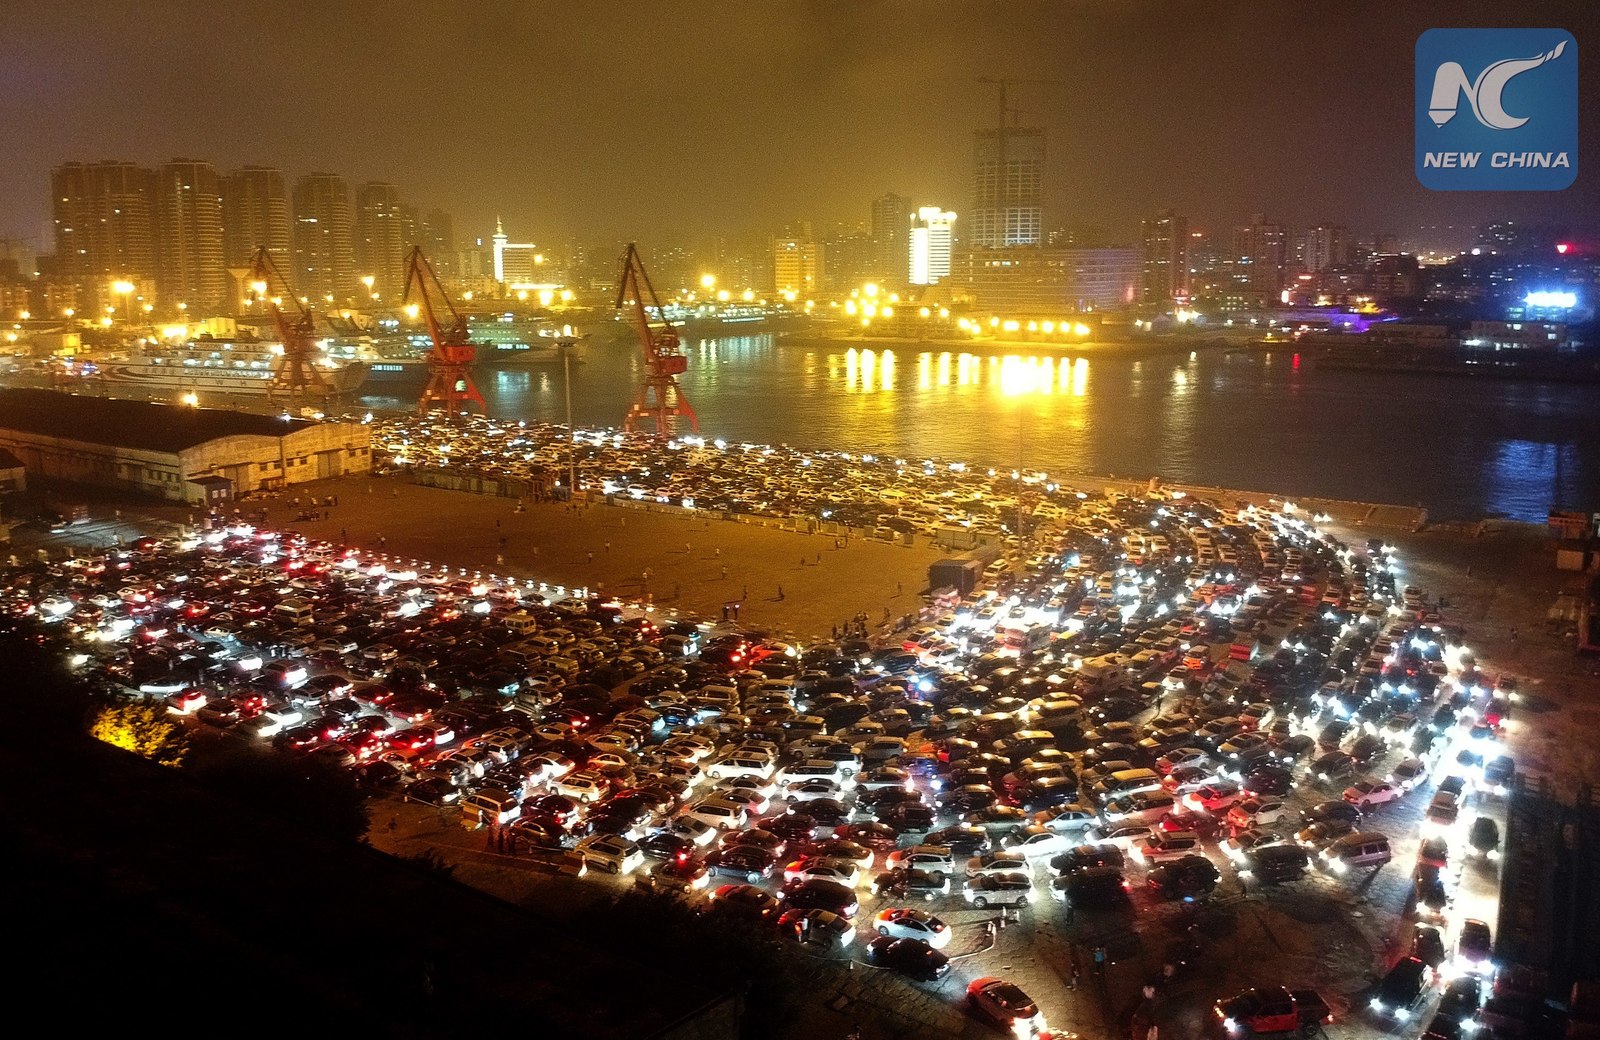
1004, 1004
906, 923
910, 957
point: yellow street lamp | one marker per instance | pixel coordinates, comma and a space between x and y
708, 281
69, 312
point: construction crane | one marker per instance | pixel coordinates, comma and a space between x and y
660, 399
450, 384
297, 371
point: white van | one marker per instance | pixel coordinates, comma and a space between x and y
489, 805
718, 812
521, 622
813, 769
295, 609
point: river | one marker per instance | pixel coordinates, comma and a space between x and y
1464, 448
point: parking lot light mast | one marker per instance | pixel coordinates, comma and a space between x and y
567, 342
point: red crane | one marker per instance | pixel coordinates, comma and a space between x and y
296, 371
660, 399
450, 384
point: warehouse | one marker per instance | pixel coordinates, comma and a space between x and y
196, 455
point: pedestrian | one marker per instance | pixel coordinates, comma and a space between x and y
724, 573
746, 593
336, 500
718, 550
344, 535
819, 558
394, 824
802, 561
1513, 633
608, 548
591, 555
836, 631
382, 541
397, 492
677, 590
686, 548
780, 591
502, 541
497, 523
899, 587
499, 559
1099, 960
886, 613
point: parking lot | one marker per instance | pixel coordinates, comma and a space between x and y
558, 746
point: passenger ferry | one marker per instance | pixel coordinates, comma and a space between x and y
221, 366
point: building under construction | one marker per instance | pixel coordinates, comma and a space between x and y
203, 456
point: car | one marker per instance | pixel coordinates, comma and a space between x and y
1366, 794
745, 901
1458, 1008
997, 863
665, 844
840, 849
1188, 877
609, 853
1474, 948
1402, 989
840, 871
1340, 810
1123, 836
1331, 767
1162, 847
1275, 1010
1035, 841
680, 874
745, 861
935, 859
1006, 1005
903, 922
906, 883
1317, 836
1214, 798
1269, 780
1003, 889
961, 839
1255, 812
1408, 774
879, 837
911, 957
1274, 863
817, 927
818, 894
1092, 888
1083, 857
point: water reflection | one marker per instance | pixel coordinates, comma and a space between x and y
866, 371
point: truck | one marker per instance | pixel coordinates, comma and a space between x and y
1272, 1012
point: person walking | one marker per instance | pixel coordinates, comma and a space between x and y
780, 591
608, 548
591, 555
724, 573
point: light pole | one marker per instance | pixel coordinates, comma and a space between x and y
566, 342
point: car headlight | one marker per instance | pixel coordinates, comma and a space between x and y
1402, 1014
1376, 1005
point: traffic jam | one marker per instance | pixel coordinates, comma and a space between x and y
1149, 704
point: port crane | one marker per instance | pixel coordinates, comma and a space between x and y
450, 384
296, 371
660, 399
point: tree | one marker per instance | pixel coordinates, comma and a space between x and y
144, 729
296, 788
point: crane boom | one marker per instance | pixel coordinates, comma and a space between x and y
296, 370
450, 384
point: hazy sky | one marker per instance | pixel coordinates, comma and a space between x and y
636, 118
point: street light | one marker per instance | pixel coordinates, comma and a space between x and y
566, 342
125, 289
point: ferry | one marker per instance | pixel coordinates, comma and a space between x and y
507, 339
220, 366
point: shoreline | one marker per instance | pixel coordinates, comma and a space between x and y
1077, 348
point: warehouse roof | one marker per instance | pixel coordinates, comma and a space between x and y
131, 424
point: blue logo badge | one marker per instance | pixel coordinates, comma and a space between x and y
1497, 109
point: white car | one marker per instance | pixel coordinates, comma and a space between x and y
697, 831
902, 922
1365, 794
808, 868
1255, 812
739, 765
1033, 842
754, 784
609, 853
1123, 836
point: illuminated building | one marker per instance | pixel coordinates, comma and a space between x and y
103, 219
255, 213
516, 264
1048, 281
891, 233
1166, 260
188, 224
1327, 246
324, 253
384, 233
930, 245
797, 265
1008, 187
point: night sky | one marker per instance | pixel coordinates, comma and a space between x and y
634, 118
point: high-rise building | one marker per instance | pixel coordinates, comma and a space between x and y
1166, 259
382, 240
1261, 252
797, 266
103, 222
188, 223
929, 251
255, 213
1008, 188
1327, 247
437, 236
324, 255
891, 234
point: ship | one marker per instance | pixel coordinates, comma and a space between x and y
246, 367
507, 339
394, 363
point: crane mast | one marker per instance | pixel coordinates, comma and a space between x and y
660, 400
450, 384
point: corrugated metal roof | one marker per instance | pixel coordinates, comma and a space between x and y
131, 424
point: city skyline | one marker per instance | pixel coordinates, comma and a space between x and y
555, 142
